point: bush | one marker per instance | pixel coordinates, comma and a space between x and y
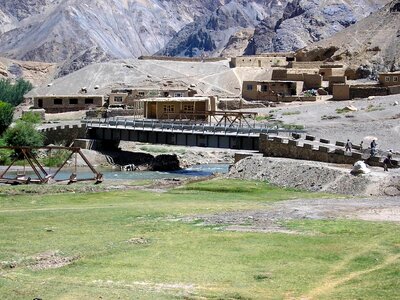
31, 117
5, 154
6, 115
14, 93
55, 158
23, 134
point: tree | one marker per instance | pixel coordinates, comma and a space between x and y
6, 115
23, 134
14, 93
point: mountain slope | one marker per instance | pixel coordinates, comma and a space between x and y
116, 28
369, 46
305, 21
37, 73
75, 33
279, 25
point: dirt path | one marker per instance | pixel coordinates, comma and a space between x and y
331, 281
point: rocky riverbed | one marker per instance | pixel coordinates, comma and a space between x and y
317, 176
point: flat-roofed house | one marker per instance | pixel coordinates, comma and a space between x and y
264, 60
66, 103
178, 107
130, 96
270, 90
389, 78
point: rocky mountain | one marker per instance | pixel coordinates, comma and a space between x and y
278, 25
75, 30
211, 34
305, 21
369, 46
75, 33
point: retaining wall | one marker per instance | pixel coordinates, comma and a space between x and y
279, 147
64, 135
183, 59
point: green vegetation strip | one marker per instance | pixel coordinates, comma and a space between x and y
135, 245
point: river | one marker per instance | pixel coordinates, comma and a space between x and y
112, 174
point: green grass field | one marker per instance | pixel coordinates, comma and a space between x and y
133, 245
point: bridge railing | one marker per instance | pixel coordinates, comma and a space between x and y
154, 125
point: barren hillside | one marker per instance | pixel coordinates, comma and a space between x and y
371, 45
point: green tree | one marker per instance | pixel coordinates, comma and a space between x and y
23, 134
6, 115
14, 93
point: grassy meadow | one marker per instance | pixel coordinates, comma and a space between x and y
134, 244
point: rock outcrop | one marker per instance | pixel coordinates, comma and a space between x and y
369, 46
38, 73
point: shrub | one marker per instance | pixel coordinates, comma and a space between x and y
5, 154
31, 117
6, 115
55, 158
23, 134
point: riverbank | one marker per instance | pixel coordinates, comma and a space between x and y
317, 176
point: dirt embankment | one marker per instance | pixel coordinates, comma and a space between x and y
316, 176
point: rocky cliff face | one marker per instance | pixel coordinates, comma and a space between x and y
369, 46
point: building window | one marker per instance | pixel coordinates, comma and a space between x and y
73, 101
188, 108
249, 87
141, 94
40, 103
58, 101
395, 79
89, 101
178, 94
387, 78
169, 108
118, 99
264, 88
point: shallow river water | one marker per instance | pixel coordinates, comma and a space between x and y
112, 174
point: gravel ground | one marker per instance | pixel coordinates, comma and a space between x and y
317, 176
377, 117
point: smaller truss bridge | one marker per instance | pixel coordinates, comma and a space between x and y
40, 174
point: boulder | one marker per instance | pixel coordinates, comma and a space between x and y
165, 162
360, 168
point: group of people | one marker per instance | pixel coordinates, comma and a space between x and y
386, 162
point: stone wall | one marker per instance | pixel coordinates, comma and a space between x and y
365, 91
314, 151
64, 135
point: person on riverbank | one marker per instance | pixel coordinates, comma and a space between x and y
348, 145
388, 161
373, 148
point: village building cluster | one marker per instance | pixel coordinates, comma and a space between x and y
292, 78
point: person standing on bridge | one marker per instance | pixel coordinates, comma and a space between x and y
388, 161
348, 145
